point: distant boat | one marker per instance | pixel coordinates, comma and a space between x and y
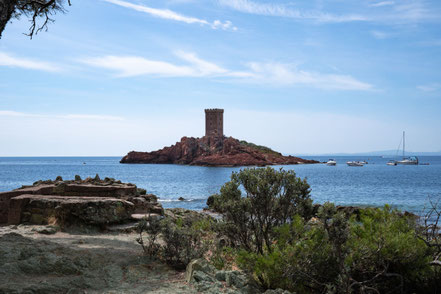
364, 162
354, 163
331, 162
391, 162
413, 160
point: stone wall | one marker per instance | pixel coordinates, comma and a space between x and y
214, 122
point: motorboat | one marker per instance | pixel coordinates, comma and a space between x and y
391, 162
364, 162
331, 162
354, 163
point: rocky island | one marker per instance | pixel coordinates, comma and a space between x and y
214, 149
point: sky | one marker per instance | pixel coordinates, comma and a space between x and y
302, 77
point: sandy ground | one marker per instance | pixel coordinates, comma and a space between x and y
80, 262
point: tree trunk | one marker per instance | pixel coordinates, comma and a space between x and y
7, 7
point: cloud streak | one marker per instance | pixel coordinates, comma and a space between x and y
430, 87
80, 117
287, 75
382, 3
275, 74
404, 12
11, 61
269, 9
171, 15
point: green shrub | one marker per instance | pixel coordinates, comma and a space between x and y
180, 242
379, 253
271, 199
386, 251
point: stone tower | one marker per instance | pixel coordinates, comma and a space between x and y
214, 122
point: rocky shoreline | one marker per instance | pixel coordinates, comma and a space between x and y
214, 151
84, 236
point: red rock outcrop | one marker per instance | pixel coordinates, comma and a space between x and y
211, 151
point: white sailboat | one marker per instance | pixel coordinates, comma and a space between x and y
413, 160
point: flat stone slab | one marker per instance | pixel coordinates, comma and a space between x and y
45, 209
92, 194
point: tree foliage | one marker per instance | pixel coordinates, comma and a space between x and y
257, 200
33, 10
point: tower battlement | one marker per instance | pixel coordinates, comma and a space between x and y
214, 122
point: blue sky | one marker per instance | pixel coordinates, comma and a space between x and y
311, 77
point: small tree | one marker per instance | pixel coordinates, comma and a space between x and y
271, 199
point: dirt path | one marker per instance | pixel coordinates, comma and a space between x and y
31, 262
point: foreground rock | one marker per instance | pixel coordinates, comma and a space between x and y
90, 202
207, 279
214, 151
35, 262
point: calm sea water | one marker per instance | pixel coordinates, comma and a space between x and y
375, 184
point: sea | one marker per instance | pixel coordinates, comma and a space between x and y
407, 188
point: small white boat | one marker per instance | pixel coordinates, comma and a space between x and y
391, 162
354, 163
364, 162
331, 162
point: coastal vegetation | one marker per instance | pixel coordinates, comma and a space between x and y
271, 230
263, 149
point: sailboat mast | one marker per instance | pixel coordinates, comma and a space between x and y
404, 142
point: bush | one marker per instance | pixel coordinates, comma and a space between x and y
271, 199
379, 253
180, 243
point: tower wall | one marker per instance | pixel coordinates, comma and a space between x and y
214, 122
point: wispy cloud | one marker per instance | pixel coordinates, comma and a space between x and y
430, 87
11, 113
276, 74
90, 117
382, 3
404, 12
285, 74
270, 9
12, 61
171, 15
129, 66
380, 35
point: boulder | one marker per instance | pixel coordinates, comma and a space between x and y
207, 279
202, 267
